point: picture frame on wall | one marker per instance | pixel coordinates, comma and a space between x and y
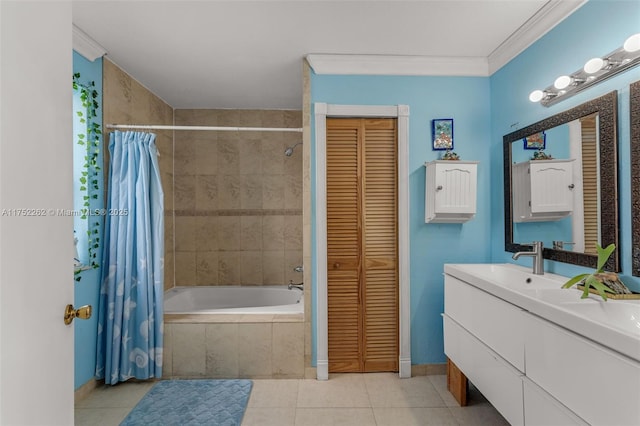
535, 141
442, 134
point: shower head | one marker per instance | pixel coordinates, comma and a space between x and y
289, 150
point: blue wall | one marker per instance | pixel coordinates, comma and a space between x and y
86, 290
466, 100
485, 109
595, 29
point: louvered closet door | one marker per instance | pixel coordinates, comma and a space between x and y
362, 245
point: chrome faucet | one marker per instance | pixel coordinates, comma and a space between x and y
299, 286
536, 253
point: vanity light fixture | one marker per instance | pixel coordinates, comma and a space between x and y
594, 71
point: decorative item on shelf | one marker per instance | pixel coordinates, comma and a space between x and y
606, 284
541, 155
450, 155
442, 133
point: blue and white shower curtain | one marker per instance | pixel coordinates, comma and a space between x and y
130, 325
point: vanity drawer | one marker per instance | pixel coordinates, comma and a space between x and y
599, 385
541, 409
498, 381
498, 324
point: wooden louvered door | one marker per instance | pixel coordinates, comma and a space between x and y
362, 245
590, 182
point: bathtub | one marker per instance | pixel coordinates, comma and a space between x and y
226, 332
233, 300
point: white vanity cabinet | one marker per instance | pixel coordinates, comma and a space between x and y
517, 338
450, 191
542, 190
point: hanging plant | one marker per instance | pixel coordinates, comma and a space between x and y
89, 179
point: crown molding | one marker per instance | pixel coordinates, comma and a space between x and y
545, 19
86, 46
398, 65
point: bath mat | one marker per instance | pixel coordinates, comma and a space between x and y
192, 402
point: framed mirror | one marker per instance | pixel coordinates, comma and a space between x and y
634, 107
576, 204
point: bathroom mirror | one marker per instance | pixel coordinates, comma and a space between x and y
634, 106
564, 137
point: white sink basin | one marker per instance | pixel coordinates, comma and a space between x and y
616, 314
614, 323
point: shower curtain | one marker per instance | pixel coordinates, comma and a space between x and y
130, 324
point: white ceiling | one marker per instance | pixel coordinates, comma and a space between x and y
248, 54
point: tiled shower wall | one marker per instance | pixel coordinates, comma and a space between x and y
125, 101
237, 199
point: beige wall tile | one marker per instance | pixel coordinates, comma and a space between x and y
292, 258
169, 270
167, 351
272, 267
292, 192
184, 157
251, 191
206, 233
251, 233
207, 154
293, 232
273, 157
222, 350
189, 350
273, 233
228, 155
185, 192
185, 237
254, 350
229, 233
229, 268
185, 268
207, 268
206, 192
196, 117
288, 350
250, 156
251, 271
229, 192
273, 191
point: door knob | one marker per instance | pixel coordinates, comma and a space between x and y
83, 312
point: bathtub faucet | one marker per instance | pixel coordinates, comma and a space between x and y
298, 286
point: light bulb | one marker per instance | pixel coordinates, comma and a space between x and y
562, 82
632, 44
536, 96
594, 65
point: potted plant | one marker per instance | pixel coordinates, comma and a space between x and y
604, 283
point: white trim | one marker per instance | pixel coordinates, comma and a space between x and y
86, 46
545, 19
398, 65
401, 112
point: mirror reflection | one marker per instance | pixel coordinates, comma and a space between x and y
561, 184
555, 187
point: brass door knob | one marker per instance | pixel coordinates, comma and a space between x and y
83, 312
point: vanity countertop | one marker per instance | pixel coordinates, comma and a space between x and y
612, 323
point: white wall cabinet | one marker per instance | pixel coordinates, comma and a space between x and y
542, 190
450, 191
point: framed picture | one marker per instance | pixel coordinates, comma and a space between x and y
442, 132
535, 141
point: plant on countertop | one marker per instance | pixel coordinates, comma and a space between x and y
541, 155
450, 155
603, 282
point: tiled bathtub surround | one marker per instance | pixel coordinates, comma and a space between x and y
234, 346
238, 199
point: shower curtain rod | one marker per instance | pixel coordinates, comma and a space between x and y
205, 128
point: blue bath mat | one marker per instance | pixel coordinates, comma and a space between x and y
192, 402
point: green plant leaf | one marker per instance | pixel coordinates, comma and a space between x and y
603, 255
575, 280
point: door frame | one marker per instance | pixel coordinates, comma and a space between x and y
401, 112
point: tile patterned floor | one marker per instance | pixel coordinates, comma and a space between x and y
345, 399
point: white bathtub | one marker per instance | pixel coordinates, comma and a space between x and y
233, 300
